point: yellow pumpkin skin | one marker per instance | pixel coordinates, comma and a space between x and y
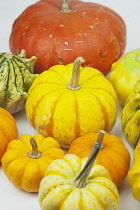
57, 189
130, 117
134, 174
8, 130
24, 171
113, 155
124, 74
64, 114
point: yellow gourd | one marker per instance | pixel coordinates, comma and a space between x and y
124, 74
66, 102
72, 183
130, 117
134, 174
26, 160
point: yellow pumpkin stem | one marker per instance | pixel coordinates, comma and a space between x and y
34, 153
80, 180
65, 6
74, 83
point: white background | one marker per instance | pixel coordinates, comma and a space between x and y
12, 198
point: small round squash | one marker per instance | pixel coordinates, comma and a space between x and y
66, 102
124, 74
73, 183
113, 155
16, 77
27, 159
8, 130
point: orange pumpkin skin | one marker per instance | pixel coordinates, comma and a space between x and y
114, 156
56, 37
21, 167
8, 130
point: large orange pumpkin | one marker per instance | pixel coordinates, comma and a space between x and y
113, 155
58, 33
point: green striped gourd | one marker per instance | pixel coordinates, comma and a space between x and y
130, 117
16, 77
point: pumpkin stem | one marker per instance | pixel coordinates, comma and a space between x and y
8, 55
80, 180
74, 83
34, 153
65, 6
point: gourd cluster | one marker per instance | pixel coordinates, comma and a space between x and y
72, 106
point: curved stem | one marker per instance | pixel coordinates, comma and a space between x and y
74, 83
34, 153
65, 6
80, 180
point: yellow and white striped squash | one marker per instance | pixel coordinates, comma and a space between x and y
58, 190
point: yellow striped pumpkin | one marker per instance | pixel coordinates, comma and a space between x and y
66, 102
72, 183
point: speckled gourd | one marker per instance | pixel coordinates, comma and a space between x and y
130, 117
16, 77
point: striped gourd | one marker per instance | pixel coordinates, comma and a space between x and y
72, 183
130, 118
66, 102
16, 77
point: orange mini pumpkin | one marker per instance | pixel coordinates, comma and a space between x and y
26, 160
8, 130
113, 155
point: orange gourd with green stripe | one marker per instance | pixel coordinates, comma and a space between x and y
66, 102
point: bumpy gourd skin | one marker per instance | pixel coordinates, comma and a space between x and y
16, 77
54, 110
134, 174
130, 117
124, 74
57, 189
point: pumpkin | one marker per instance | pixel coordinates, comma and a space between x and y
74, 183
61, 106
8, 130
134, 174
112, 153
57, 31
16, 76
130, 117
124, 74
26, 160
